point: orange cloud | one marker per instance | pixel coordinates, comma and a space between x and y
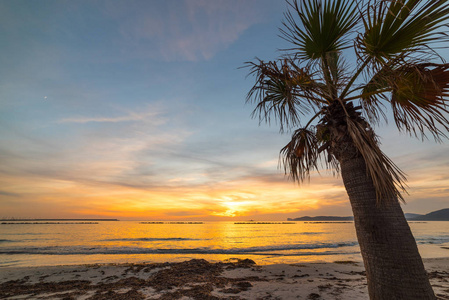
237, 198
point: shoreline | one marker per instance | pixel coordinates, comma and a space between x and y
200, 279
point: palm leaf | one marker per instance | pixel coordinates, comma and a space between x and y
375, 90
392, 27
417, 93
337, 72
322, 26
300, 155
283, 90
324, 138
386, 176
419, 99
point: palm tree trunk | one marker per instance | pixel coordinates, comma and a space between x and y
394, 267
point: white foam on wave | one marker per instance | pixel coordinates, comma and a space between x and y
78, 250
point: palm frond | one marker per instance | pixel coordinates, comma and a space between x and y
386, 176
393, 55
398, 26
324, 138
283, 90
300, 155
373, 92
337, 72
419, 99
322, 26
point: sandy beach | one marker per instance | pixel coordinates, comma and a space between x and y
200, 279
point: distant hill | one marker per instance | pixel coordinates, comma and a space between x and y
322, 218
439, 215
410, 216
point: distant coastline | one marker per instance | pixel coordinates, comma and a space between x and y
438, 215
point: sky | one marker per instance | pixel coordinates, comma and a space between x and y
136, 110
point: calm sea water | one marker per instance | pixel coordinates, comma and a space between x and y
126, 241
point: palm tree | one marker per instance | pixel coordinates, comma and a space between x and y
395, 64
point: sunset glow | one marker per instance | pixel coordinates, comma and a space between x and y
136, 110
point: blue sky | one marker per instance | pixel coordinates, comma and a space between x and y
136, 109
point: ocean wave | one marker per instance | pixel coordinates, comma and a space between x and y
434, 240
267, 250
9, 263
6, 241
28, 233
307, 233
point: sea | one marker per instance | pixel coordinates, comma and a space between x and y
43, 243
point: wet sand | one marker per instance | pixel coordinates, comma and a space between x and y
199, 279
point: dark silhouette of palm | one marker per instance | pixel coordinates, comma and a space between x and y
396, 66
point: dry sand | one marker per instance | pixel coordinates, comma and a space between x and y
199, 279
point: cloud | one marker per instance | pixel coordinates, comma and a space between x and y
8, 194
123, 150
189, 30
183, 213
150, 115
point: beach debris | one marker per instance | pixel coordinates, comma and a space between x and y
198, 279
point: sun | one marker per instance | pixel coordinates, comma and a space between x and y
233, 208
227, 213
